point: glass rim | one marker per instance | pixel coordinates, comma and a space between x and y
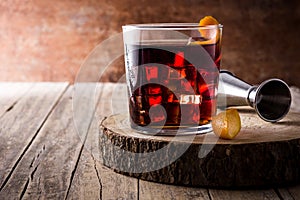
170, 26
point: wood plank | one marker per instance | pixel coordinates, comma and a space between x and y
92, 180
86, 183
243, 194
56, 166
48, 168
290, 192
151, 190
10, 94
20, 126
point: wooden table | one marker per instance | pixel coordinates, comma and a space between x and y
43, 155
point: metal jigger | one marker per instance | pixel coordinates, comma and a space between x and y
271, 99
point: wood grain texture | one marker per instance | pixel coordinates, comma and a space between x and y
10, 93
262, 154
23, 174
236, 164
63, 161
290, 192
151, 190
22, 123
92, 180
243, 194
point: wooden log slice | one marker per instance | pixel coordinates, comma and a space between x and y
263, 154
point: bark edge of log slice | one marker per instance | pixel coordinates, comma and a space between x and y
263, 154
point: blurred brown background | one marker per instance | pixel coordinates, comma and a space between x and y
43, 40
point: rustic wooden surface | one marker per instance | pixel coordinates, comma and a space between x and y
44, 157
262, 154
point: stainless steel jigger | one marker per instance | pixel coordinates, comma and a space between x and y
271, 99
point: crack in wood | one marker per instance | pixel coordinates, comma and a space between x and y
76, 165
16, 101
32, 162
24, 189
278, 194
209, 195
36, 160
80, 152
281, 196
77, 161
11, 107
31, 141
33, 172
39, 187
30, 178
98, 177
37, 157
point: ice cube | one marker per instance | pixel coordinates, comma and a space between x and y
154, 99
190, 99
179, 59
154, 89
151, 72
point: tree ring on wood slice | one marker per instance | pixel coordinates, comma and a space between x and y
263, 154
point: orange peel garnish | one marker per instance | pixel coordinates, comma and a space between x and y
208, 20
210, 35
227, 124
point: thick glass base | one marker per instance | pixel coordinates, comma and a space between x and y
172, 130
